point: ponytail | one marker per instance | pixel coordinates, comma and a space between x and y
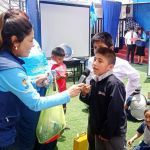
13, 23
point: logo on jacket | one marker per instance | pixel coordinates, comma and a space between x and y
101, 93
24, 83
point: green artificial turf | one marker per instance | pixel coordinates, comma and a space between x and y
77, 115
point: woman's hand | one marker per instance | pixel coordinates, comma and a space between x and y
75, 89
42, 80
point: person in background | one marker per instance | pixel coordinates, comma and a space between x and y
135, 106
106, 97
130, 38
144, 129
140, 44
16, 90
122, 70
59, 67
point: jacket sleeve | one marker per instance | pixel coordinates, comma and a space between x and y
16, 81
84, 99
115, 112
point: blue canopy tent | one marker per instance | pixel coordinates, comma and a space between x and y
111, 14
142, 15
33, 13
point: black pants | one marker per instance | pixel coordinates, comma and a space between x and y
130, 50
115, 143
91, 138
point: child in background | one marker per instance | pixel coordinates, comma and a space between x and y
57, 64
144, 129
105, 96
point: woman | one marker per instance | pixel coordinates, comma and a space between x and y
16, 40
36, 64
140, 43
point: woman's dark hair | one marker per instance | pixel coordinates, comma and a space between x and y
103, 37
108, 53
58, 51
13, 23
140, 28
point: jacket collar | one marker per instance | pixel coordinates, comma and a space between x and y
103, 76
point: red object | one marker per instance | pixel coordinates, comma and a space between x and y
61, 71
53, 139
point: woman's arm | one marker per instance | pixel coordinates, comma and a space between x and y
17, 82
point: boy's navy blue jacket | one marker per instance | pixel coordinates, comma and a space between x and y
106, 107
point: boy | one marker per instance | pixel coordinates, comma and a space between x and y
122, 70
106, 98
144, 129
57, 56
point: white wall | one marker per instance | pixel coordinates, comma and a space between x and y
65, 24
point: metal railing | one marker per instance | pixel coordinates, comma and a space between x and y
98, 27
7, 4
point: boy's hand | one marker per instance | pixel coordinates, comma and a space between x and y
75, 89
103, 139
64, 76
130, 142
86, 89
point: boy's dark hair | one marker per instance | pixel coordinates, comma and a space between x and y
146, 110
108, 53
103, 37
58, 51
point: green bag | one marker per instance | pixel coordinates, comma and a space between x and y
51, 123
